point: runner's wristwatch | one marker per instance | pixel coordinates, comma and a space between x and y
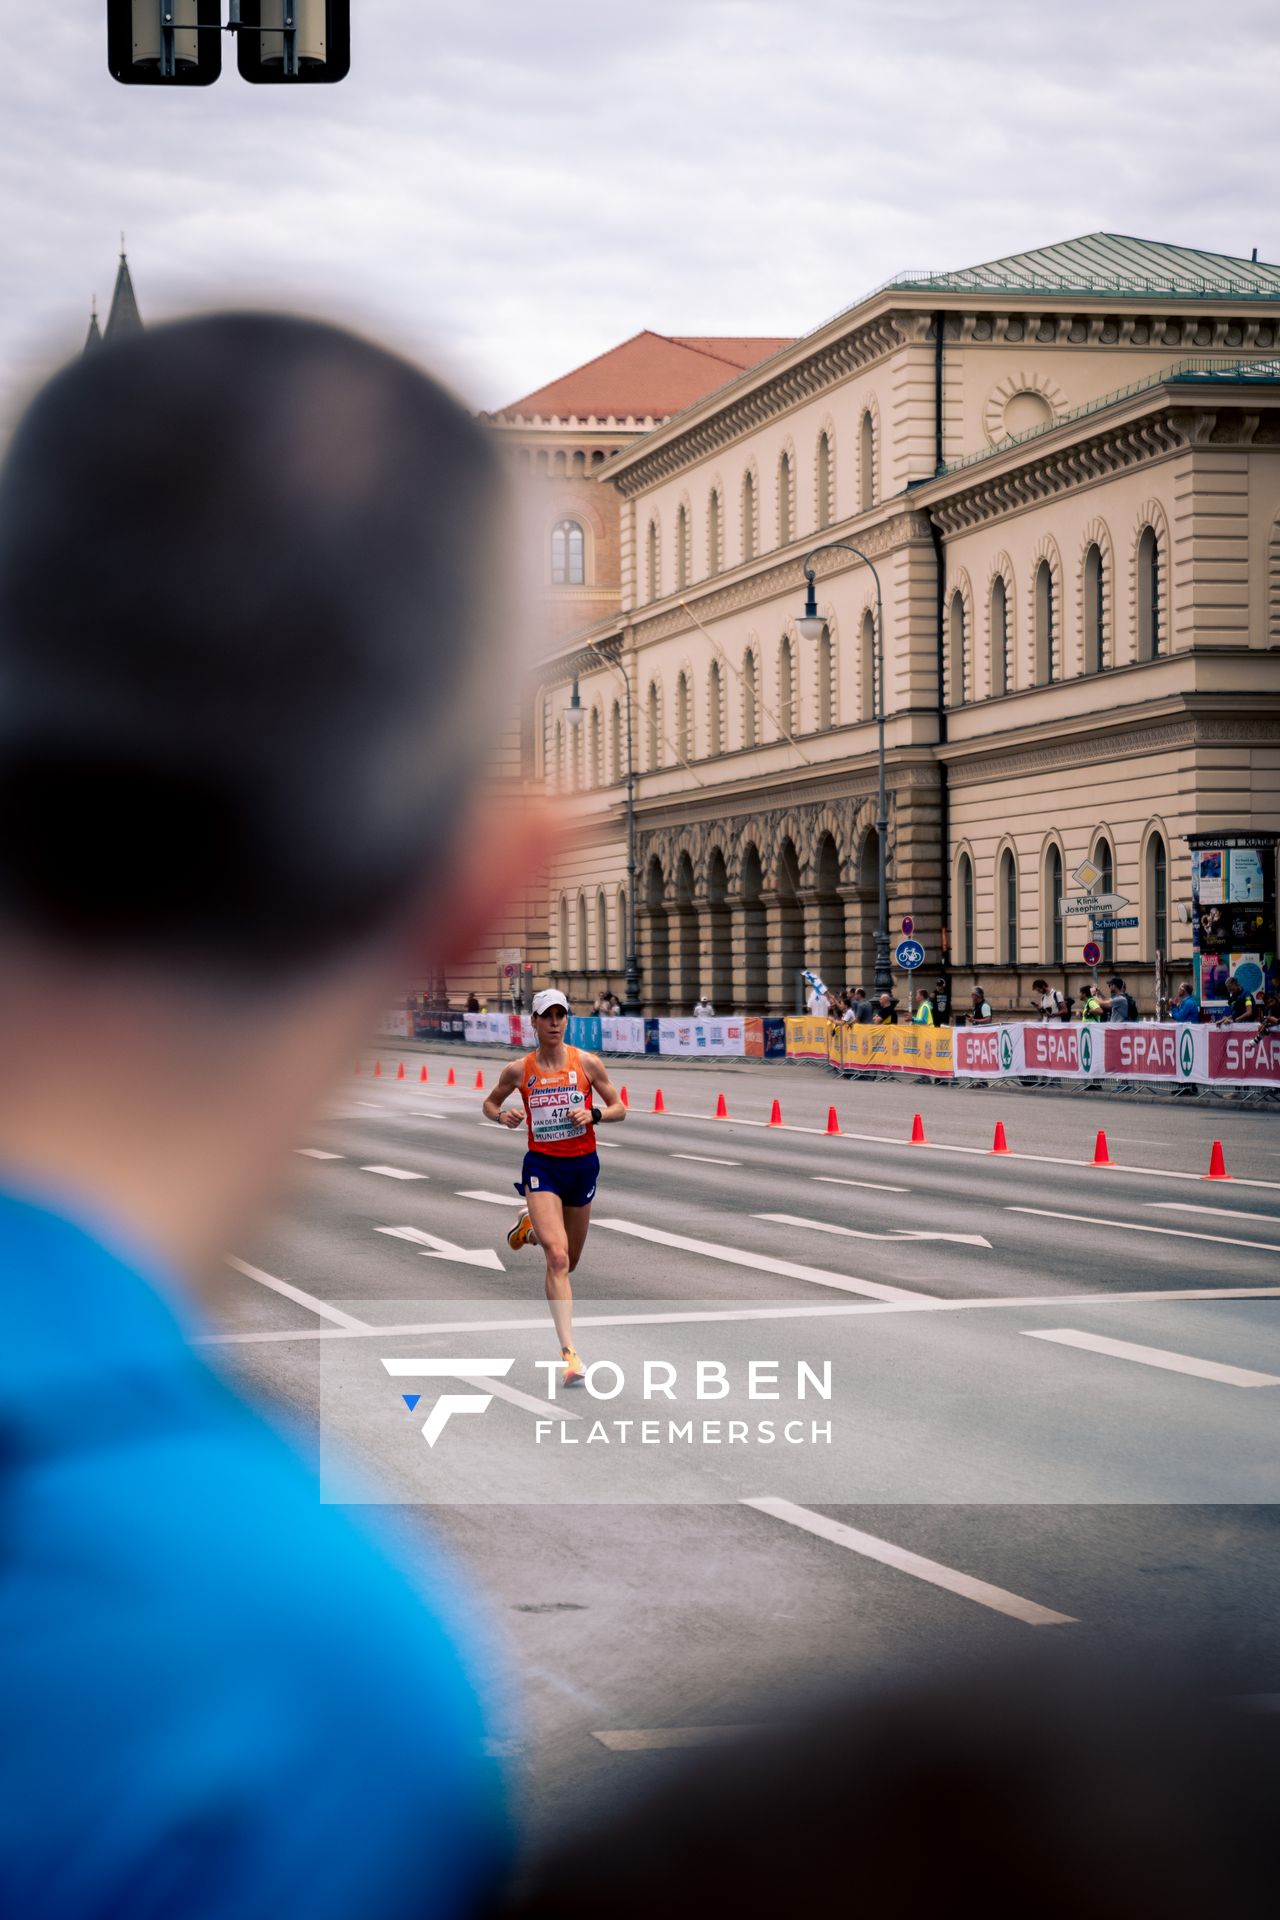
597, 1114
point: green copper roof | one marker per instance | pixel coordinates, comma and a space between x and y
1107, 263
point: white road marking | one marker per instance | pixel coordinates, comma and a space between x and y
485, 1383
897, 1235
651, 1739
1134, 1226
318, 1153
395, 1173
877, 1186
705, 1159
432, 1247
511, 1199
1156, 1357
1221, 1213
759, 1261
290, 1292
920, 1303
915, 1564
374, 1106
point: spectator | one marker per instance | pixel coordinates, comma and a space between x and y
941, 1002
1268, 1012
1052, 1004
923, 1015
473, 1004
817, 1002
885, 1013
1116, 1002
1091, 1007
703, 1009
1239, 1004
1185, 1005
979, 1008
861, 1006
222, 1696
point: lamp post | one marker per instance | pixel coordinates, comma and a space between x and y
573, 717
809, 626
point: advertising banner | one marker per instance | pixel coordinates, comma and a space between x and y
985, 1053
1058, 1048
775, 1036
710, 1037
910, 1049
1242, 1056
1150, 1050
806, 1037
583, 1030
620, 1033
488, 1029
394, 1023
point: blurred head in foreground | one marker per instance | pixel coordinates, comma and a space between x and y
249, 618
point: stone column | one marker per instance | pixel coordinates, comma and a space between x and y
780, 988
859, 935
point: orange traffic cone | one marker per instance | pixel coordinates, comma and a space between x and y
400, 1071
1217, 1164
722, 1112
833, 1120
1101, 1158
622, 1095
424, 1075
377, 1069
479, 1079
1000, 1144
451, 1081
917, 1133
775, 1118
659, 1104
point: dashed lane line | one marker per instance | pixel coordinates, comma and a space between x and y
318, 1153
875, 1186
1030, 1612
760, 1262
1219, 1213
705, 1160
347, 1321
395, 1173
1155, 1357
898, 1235
1136, 1226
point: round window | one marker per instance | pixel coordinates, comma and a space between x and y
1023, 411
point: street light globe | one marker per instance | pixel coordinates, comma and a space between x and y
573, 712
809, 626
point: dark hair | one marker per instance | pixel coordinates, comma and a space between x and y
241, 657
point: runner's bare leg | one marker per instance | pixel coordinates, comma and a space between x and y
547, 1213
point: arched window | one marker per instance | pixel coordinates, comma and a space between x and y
867, 463
583, 958
1046, 636
1150, 634
682, 547
750, 701
1157, 896
1095, 630
715, 717
1000, 648
958, 650
748, 516
651, 560
964, 888
785, 515
602, 931
1104, 860
684, 726
568, 554
1052, 947
597, 748
564, 934
1008, 904
655, 726
867, 667
824, 481
715, 537
787, 688
826, 681
615, 743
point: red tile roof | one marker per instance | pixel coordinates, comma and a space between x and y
652, 375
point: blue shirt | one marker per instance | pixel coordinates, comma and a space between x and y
221, 1698
1188, 1009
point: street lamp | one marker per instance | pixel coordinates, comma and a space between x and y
809, 626
573, 718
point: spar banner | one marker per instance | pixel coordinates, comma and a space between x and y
1169, 1050
806, 1037
1242, 1056
910, 1049
621, 1034
710, 1037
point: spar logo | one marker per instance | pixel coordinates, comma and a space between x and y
1186, 1053
472, 1373
1086, 1050
1006, 1050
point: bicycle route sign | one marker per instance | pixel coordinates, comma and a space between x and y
909, 955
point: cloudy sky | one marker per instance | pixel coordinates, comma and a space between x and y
508, 187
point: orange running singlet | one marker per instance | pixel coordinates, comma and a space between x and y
549, 1096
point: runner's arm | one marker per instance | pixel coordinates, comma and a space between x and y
611, 1107
505, 1085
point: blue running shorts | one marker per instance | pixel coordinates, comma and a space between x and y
572, 1176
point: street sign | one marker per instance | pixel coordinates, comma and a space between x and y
1105, 925
909, 955
908, 925
1086, 873
1092, 953
510, 956
1089, 905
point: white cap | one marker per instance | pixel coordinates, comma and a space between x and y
548, 998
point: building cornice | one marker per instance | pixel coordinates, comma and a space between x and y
1160, 735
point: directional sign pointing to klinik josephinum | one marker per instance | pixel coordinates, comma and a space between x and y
1089, 905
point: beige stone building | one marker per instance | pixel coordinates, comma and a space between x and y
1065, 469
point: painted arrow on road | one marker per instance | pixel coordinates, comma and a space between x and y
432, 1247
859, 1233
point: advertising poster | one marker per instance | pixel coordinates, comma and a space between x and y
1210, 876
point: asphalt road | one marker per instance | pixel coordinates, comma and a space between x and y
1054, 1392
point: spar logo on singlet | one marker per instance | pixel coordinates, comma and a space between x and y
551, 1110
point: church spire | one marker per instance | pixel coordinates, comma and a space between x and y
94, 336
124, 317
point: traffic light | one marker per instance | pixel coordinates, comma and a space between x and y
164, 43
283, 42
